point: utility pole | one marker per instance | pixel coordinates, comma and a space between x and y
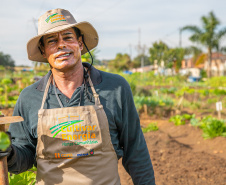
130, 52
140, 49
139, 40
36, 28
180, 40
34, 22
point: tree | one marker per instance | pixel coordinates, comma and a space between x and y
194, 51
171, 56
6, 60
207, 34
177, 55
159, 51
137, 61
121, 62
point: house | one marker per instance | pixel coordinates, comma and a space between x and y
217, 67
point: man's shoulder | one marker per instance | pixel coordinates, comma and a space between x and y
113, 79
29, 90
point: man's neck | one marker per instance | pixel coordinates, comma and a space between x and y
68, 81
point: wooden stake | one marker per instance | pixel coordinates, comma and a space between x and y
145, 109
3, 163
219, 114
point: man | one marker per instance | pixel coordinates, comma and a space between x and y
78, 121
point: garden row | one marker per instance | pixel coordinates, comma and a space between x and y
210, 126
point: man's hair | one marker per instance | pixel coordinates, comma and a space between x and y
77, 32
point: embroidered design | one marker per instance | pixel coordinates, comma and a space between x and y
80, 143
70, 130
55, 18
91, 152
60, 127
63, 156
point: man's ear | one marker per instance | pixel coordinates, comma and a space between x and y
80, 43
42, 51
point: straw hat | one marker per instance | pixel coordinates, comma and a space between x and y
58, 20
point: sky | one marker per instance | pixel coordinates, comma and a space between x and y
121, 24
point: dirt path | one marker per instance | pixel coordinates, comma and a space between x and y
180, 156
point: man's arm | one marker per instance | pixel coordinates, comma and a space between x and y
23, 152
136, 159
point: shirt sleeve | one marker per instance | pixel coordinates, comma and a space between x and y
136, 159
23, 156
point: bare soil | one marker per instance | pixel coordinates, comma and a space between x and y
180, 156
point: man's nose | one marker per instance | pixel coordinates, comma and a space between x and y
61, 43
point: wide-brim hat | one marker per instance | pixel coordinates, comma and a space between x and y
58, 20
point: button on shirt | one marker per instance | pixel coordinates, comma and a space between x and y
124, 124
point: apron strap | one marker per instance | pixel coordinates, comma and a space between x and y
59, 101
96, 96
81, 92
46, 91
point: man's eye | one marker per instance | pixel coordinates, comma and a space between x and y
68, 38
51, 41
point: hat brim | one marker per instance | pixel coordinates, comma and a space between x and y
90, 37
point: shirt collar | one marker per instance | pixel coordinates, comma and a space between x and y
94, 75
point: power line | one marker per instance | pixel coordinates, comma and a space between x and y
40, 8
107, 9
80, 5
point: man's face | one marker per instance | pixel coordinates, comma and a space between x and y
62, 49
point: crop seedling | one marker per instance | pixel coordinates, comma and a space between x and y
195, 122
212, 127
150, 127
181, 119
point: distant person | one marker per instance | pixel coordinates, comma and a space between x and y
78, 121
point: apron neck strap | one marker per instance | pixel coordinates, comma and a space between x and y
95, 95
58, 99
46, 91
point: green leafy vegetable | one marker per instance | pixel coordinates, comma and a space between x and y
181, 119
25, 178
177, 120
195, 122
150, 127
4, 141
212, 127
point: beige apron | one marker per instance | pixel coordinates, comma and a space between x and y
74, 145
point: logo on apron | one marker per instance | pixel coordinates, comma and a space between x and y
73, 130
90, 153
65, 156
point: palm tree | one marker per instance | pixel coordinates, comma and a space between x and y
207, 34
